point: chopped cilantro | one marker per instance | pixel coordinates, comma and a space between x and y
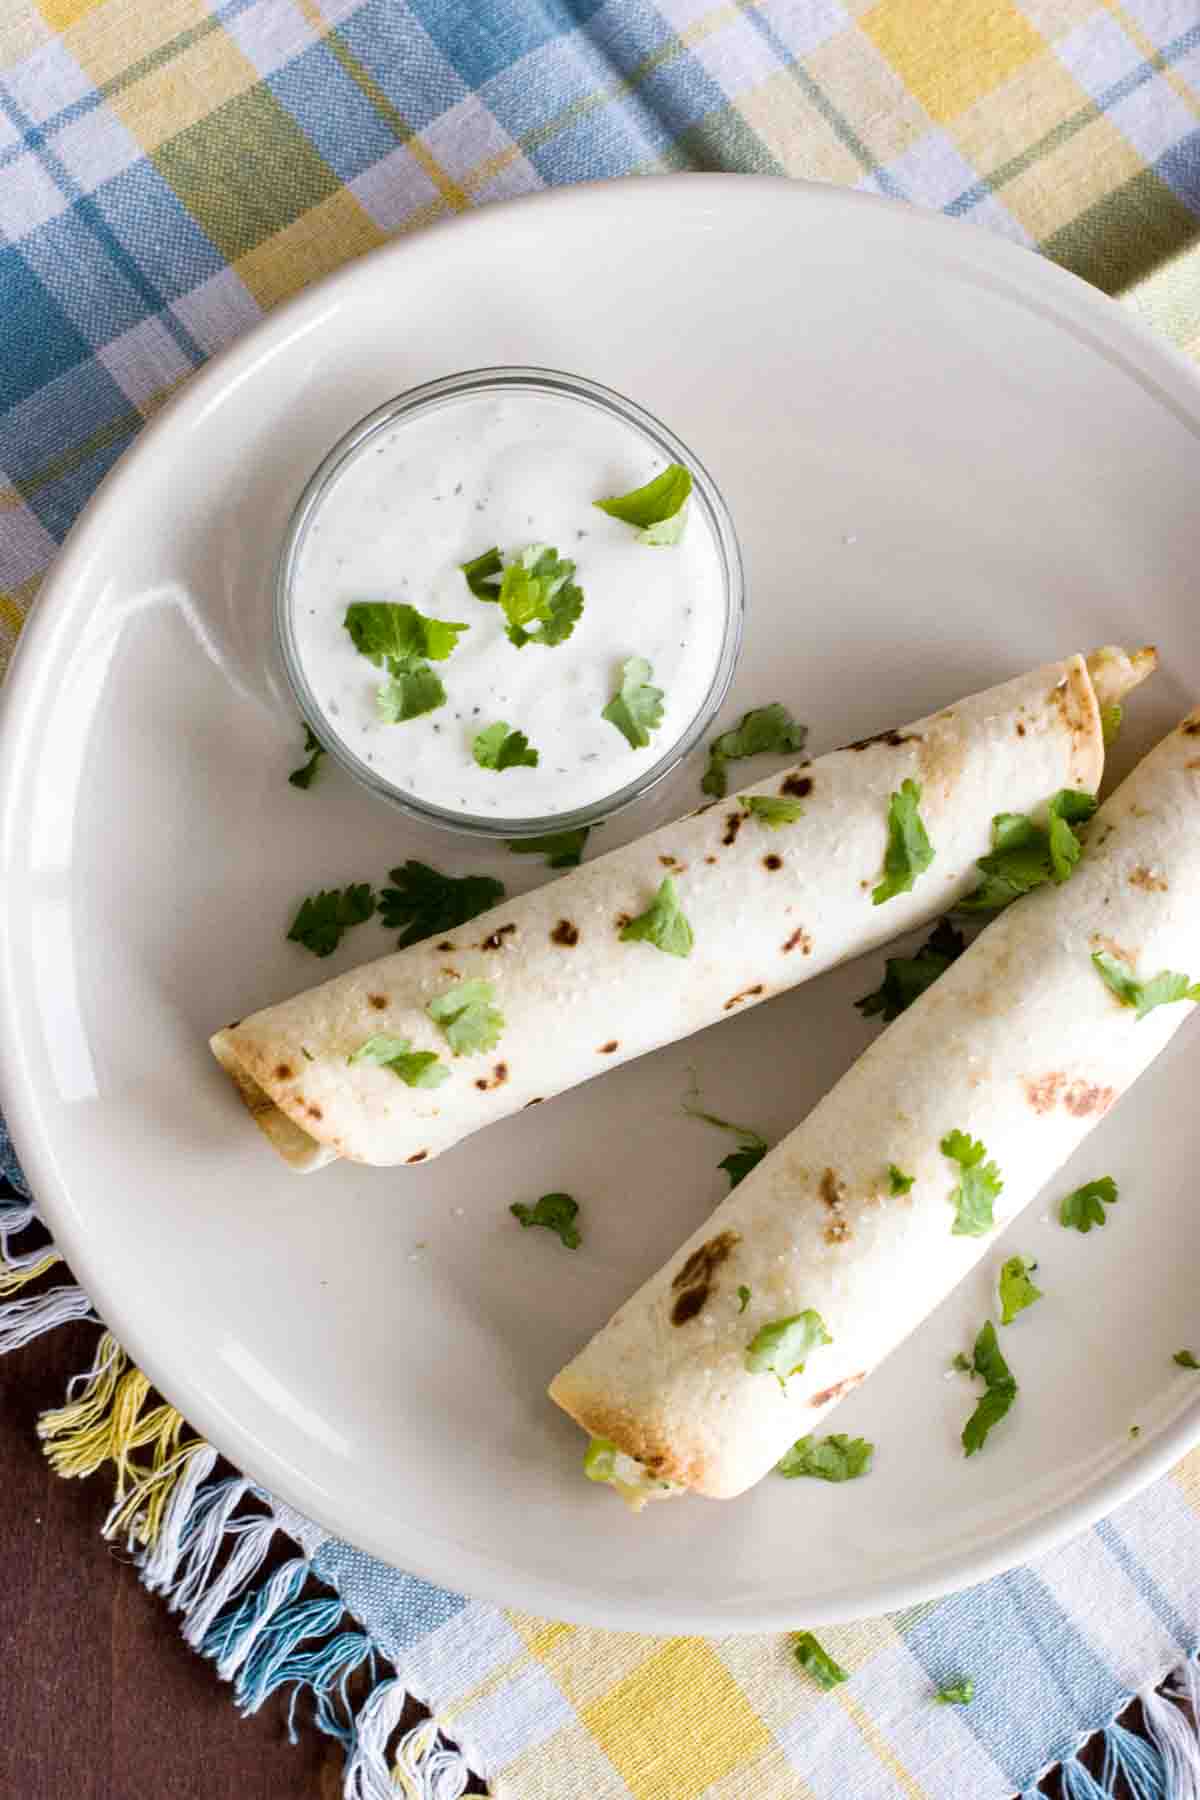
1163, 989
978, 1185
1017, 1291
1111, 718
909, 851
957, 1693
738, 1164
537, 591
773, 809
905, 978
323, 917
817, 1662
1185, 1359
961, 1364
833, 1458
1085, 1207
387, 632
424, 902
600, 1459
314, 750
483, 574
557, 1212
496, 747
663, 924
1001, 1390
1025, 855
763, 729
898, 1181
411, 690
658, 510
781, 1347
1135, 1431
416, 1068
636, 707
467, 1018
752, 1145
562, 849
744, 1300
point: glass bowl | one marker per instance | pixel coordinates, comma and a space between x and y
418, 401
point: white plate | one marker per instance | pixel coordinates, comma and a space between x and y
948, 460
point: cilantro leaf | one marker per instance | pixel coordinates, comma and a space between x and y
562, 849
833, 1458
424, 902
416, 1068
1111, 719
1017, 1291
411, 689
1068, 807
467, 1018
764, 728
743, 1294
781, 1347
556, 1212
323, 917
600, 1457
537, 590
1025, 855
961, 1364
314, 749
385, 631
909, 851
957, 1693
663, 924
658, 509
978, 1186
772, 809
1001, 1390
480, 572
752, 1145
1085, 1207
817, 1662
1161, 990
636, 707
1185, 1359
496, 747
738, 1164
905, 978
898, 1181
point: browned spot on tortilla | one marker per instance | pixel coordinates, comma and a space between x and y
838, 1390
1083, 1098
283, 1071
607, 1049
799, 785
799, 940
237, 1022
1142, 877
624, 919
1192, 765
712, 859
1076, 701
1042, 1094
746, 994
832, 1189
536, 1101
668, 862
419, 1157
498, 1077
864, 885
495, 939
1020, 729
733, 824
454, 974
314, 1112
445, 945
1100, 942
565, 933
893, 738
1191, 728
689, 1303
702, 1263
378, 1001
772, 862
838, 1231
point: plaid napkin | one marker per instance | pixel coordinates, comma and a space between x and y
170, 169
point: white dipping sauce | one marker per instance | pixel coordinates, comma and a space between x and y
507, 470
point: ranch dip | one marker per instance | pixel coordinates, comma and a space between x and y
507, 469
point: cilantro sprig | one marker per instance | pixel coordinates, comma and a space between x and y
324, 916
467, 1018
423, 902
772, 810
1185, 1359
833, 1458
1025, 855
499, 747
636, 708
762, 730
817, 1662
314, 749
978, 1186
909, 851
905, 978
663, 924
1085, 1207
411, 690
557, 1212
957, 1693
539, 598
1163, 989
782, 1347
898, 1181
387, 632
752, 1145
1016, 1288
658, 509
1001, 1390
562, 849
416, 1068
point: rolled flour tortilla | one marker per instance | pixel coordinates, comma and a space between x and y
1021, 1044
769, 908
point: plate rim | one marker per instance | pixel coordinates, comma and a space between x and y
462, 1569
